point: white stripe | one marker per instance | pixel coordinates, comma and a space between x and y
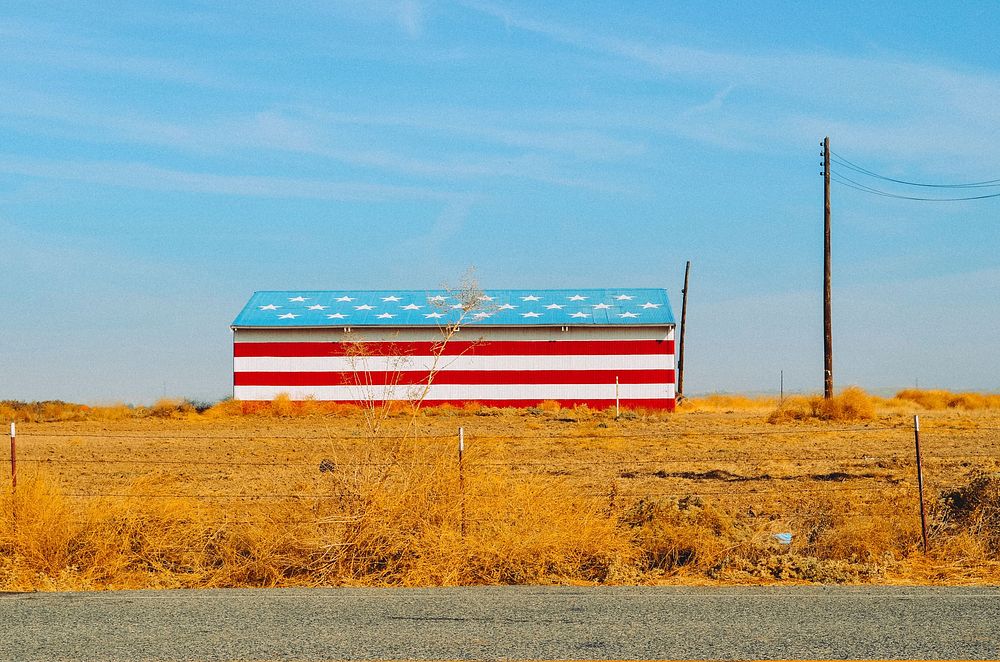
425, 363
462, 392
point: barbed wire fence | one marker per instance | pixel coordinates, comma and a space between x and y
103, 471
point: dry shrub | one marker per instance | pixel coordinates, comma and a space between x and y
42, 412
852, 404
225, 409
973, 401
974, 508
310, 407
282, 406
928, 399
794, 408
846, 526
8, 412
170, 408
940, 399
443, 409
549, 406
111, 412
680, 533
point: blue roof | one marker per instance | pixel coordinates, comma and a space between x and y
338, 308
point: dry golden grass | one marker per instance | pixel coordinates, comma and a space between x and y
725, 402
297, 495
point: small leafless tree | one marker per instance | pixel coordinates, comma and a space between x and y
377, 398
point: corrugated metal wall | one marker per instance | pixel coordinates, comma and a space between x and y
514, 366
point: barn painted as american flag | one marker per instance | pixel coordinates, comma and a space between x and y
513, 348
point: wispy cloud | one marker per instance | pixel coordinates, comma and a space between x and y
152, 178
40, 44
542, 155
876, 104
407, 16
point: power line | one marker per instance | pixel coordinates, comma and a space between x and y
850, 183
865, 171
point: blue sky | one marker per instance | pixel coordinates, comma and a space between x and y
160, 162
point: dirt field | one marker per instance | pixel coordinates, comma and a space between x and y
540, 496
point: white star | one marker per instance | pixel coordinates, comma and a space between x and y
269, 306
385, 316
433, 315
628, 315
485, 298
317, 307
531, 314
579, 315
650, 305
391, 298
554, 306
364, 306
530, 297
299, 299
577, 297
624, 297
457, 306
601, 306
287, 316
412, 306
348, 299
437, 299
506, 306
480, 316
336, 316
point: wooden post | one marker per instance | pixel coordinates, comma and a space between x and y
13, 457
827, 306
461, 475
680, 350
920, 481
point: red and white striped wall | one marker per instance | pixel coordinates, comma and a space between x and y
500, 366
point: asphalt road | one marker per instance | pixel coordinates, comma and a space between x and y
507, 622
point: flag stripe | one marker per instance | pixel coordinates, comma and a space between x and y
393, 364
455, 377
455, 392
593, 403
453, 348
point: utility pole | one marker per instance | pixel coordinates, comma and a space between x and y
680, 352
827, 310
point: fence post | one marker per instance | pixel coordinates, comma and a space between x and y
13, 457
461, 475
920, 481
617, 402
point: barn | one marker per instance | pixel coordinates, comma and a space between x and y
507, 348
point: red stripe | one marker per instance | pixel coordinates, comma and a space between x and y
667, 404
455, 348
455, 377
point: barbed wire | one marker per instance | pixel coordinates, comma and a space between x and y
472, 461
171, 437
